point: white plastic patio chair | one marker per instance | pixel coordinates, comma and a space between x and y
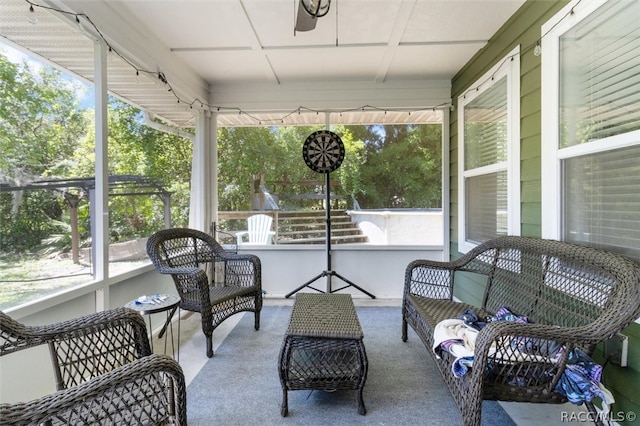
259, 230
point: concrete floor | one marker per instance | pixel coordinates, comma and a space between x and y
192, 358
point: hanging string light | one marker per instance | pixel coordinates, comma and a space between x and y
32, 18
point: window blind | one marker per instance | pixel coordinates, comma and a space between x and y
600, 75
485, 127
602, 200
486, 206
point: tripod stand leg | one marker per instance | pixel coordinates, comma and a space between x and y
317, 277
352, 284
328, 273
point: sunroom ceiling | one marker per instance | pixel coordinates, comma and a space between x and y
384, 61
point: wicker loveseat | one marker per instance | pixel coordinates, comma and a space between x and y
104, 370
573, 296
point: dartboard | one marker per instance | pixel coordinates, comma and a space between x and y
323, 151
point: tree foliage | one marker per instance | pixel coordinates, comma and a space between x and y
41, 121
46, 134
137, 149
403, 168
40, 128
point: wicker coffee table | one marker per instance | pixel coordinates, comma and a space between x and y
323, 347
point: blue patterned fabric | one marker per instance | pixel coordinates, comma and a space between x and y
581, 379
461, 365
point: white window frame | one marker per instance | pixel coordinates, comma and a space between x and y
509, 67
552, 155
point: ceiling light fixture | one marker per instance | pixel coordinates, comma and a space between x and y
308, 13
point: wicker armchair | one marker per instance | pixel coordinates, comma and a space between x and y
104, 371
234, 284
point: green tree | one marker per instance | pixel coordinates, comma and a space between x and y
403, 168
137, 149
44, 133
42, 122
242, 153
41, 125
349, 175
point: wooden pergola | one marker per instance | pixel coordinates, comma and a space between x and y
76, 189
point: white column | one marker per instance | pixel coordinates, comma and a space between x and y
446, 187
100, 208
213, 178
201, 171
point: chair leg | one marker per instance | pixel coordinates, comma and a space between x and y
597, 420
472, 413
209, 346
404, 330
257, 320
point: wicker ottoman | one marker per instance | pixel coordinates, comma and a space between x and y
323, 347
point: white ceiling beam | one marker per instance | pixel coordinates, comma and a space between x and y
399, 26
328, 46
332, 95
256, 46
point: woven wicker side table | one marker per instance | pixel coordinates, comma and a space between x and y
323, 347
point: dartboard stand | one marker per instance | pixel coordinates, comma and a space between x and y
323, 152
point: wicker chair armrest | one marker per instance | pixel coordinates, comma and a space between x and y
433, 264
227, 255
453, 265
190, 280
512, 343
170, 270
498, 332
151, 386
429, 278
18, 336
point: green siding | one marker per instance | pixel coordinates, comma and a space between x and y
633, 331
524, 29
530, 148
531, 230
531, 191
531, 214
624, 383
530, 125
530, 170
473, 288
530, 103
